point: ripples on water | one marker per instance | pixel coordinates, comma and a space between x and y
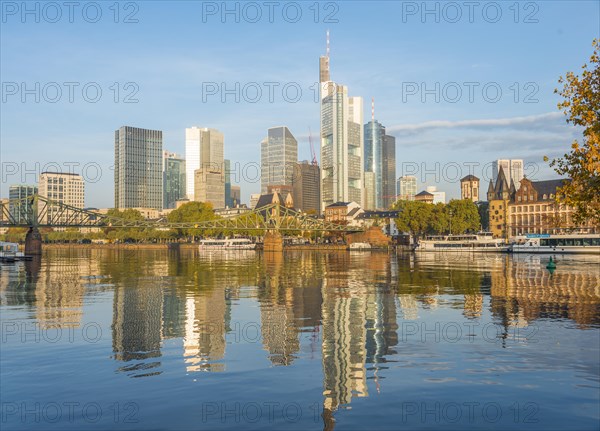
139, 339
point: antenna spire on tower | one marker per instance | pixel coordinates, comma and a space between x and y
373, 109
327, 43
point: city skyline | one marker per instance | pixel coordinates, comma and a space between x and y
458, 133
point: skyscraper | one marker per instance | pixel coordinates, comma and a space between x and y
306, 187
228, 197
138, 168
203, 149
513, 170
342, 140
279, 155
407, 188
173, 179
389, 171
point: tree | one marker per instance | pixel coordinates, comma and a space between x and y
581, 105
414, 217
463, 215
193, 212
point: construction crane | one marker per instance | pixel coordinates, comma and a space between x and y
312, 149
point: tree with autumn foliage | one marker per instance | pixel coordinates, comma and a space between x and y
581, 105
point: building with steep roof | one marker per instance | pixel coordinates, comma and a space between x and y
424, 196
530, 209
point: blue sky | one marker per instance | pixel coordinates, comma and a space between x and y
386, 50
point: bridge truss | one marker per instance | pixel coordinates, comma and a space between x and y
39, 211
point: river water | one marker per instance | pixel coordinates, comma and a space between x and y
155, 339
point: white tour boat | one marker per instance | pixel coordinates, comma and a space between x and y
226, 244
567, 243
480, 242
359, 246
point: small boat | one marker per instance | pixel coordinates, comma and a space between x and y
9, 252
568, 243
359, 246
482, 242
226, 244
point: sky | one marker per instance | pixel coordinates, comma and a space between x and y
459, 84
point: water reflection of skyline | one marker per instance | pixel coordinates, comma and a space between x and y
345, 306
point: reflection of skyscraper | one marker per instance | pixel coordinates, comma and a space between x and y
344, 336
206, 323
137, 321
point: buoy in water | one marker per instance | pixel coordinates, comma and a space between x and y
551, 264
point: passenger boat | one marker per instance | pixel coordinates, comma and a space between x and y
567, 243
359, 246
482, 242
9, 252
226, 244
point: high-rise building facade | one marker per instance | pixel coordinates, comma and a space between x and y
227, 172
209, 187
306, 191
279, 155
236, 196
342, 138
389, 171
406, 188
513, 170
61, 187
18, 205
173, 179
203, 149
138, 168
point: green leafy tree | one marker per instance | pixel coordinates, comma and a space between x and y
581, 106
193, 212
414, 217
462, 215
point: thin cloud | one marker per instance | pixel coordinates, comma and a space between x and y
514, 122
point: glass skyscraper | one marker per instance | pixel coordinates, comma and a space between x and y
173, 179
138, 168
380, 158
279, 155
342, 166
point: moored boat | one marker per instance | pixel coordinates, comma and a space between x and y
482, 242
226, 244
359, 246
566, 243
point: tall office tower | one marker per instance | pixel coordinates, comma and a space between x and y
209, 187
18, 206
203, 149
406, 188
228, 197
516, 171
138, 168
369, 190
279, 155
342, 140
236, 196
306, 191
173, 179
389, 171
513, 170
61, 187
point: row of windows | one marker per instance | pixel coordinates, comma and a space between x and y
561, 242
